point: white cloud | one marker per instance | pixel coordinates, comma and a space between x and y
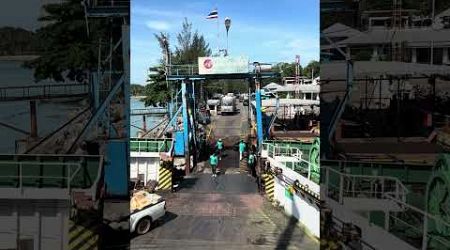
158, 25
272, 43
304, 43
143, 11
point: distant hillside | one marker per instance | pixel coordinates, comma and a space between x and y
137, 90
17, 41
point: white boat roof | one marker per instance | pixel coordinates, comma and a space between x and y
314, 88
362, 69
288, 102
340, 30
273, 85
443, 13
416, 37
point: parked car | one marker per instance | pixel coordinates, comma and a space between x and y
146, 208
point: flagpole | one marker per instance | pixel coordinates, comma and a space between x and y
218, 33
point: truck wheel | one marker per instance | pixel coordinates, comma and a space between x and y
143, 226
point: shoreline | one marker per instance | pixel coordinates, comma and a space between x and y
20, 58
138, 96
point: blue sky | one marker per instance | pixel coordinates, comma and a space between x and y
263, 30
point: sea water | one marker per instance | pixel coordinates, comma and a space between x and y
50, 115
137, 122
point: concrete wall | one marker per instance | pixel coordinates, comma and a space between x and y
45, 222
305, 211
148, 166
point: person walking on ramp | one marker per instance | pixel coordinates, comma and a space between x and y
251, 163
213, 161
219, 147
241, 149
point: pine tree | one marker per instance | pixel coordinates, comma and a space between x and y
191, 45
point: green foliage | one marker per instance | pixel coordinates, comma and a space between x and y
312, 67
226, 86
191, 45
17, 41
157, 91
136, 89
286, 69
66, 46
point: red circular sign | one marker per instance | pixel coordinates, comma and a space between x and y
208, 63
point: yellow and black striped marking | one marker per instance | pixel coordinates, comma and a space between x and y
269, 185
164, 179
84, 235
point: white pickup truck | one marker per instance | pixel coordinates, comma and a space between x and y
146, 209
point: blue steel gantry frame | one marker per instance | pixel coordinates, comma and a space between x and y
187, 105
117, 145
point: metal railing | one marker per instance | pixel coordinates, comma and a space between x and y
405, 172
50, 171
150, 145
48, 91
275, 150
303, 146
287, 148
108, 3
339, 185
408, 223
296, 160
402, 222
338, 227
40, 181
186, 69
149, 111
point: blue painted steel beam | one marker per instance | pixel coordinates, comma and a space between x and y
274, 117
98, 112
259, 126
185, 112
185, 126
172, 120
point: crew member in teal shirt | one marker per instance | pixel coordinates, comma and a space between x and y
219, 146
241, 149
213, 161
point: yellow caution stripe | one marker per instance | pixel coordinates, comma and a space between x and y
84, 236
269, 185
164, 178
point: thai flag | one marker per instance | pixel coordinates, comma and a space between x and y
213, 14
